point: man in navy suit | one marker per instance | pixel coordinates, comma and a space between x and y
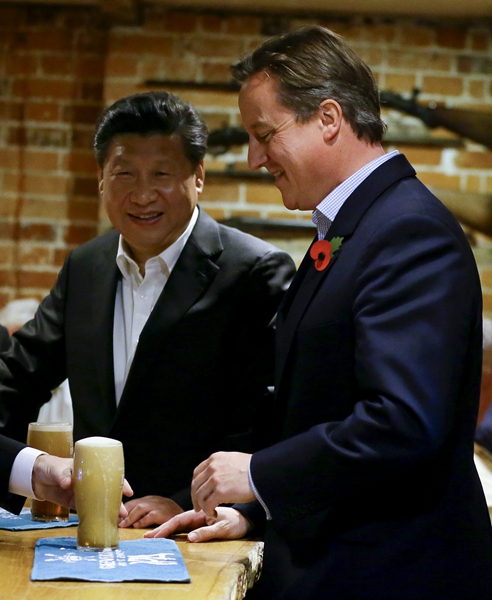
164, 325
368, 490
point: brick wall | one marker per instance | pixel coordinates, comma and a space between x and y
58, 67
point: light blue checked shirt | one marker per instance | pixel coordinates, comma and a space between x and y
326, 211
323, 216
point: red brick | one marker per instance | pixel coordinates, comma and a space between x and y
90, 90
89, 67
7, 253
54, 185
82, 138
81, 161
442, 86
92, 39
217, 191
85, 186
171, 21
21, 64
10, 158
42, 111
81, 113
35, 255
46, 137
7, 278
243, 25
55, 40
83, 210
476, 88
451, 37
416, 35
36, 279
37, 160
142, 44
78, 234
216, 72
480, 40
474, 160
263, 193
119, 65
39, 232
7, 230
59, 256
11, 110
44, 88
217, 46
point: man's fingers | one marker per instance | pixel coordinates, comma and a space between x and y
127, 489
178, 524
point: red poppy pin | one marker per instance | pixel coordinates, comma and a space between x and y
323, 250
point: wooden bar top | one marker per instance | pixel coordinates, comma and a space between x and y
221, 570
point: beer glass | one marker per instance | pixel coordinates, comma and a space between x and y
98, 476
55, 439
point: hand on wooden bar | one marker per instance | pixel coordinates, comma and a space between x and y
227, 524
149, 510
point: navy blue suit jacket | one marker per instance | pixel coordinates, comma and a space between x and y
371, 482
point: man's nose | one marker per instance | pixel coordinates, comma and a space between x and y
144, 192
256, 155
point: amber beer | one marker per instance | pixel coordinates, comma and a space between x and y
98, 476
55, 439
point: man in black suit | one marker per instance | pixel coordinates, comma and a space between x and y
164, 325
369, 488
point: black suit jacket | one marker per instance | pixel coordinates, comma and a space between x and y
371, 484
201, 368
8, 451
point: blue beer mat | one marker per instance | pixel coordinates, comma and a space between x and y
156, 559
23, 521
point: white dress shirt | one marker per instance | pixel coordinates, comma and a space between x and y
136, 297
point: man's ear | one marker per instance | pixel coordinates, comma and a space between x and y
200, 177
331, 115
100, 180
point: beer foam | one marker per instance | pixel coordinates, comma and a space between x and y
41, 426
97, 441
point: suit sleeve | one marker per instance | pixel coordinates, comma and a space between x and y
34, 364
8, 451
415, 314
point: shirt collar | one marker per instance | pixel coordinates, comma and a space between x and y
166, 260
326, 211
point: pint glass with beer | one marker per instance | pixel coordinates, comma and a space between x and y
55, 439
98, 477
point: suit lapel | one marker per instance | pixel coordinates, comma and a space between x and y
308, 279
106, 276
191, 277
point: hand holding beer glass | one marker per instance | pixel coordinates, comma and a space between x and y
98, 478
55, 439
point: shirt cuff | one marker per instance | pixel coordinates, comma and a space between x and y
256, 493
20, 482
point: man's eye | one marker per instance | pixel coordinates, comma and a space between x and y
123, 173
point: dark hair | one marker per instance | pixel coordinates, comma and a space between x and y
149, 113
312, 64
